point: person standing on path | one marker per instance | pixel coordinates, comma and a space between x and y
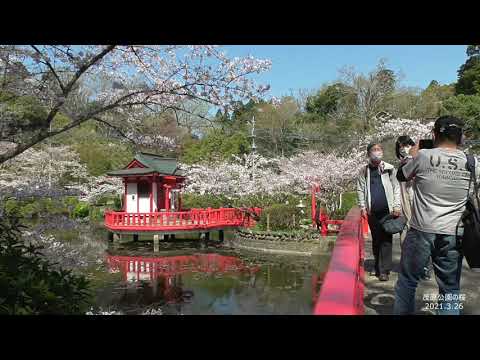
379, 195
403, 145
402, 150
440, 187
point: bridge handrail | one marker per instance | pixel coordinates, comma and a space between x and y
197, 218
343, 287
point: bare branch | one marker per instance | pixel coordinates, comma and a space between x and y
49, 65
96, 118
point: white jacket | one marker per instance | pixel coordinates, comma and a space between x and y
390, 184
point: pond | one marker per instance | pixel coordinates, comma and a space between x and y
185, 277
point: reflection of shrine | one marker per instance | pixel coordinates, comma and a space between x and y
165, 273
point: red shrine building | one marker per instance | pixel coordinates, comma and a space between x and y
152, 202
152, 183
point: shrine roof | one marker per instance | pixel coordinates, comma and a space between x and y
153, 164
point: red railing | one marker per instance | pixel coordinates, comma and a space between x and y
343, 287
194, 219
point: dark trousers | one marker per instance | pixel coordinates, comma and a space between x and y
417, 249
381, 245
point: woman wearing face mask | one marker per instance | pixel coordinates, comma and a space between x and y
379, 195
403, 145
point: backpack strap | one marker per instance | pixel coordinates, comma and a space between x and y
473, 176
470, 163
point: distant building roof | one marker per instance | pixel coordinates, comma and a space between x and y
153, 164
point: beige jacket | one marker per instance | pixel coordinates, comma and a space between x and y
390, 184
406, 196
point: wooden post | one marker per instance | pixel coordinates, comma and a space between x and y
221, 236
155, 243
314, 206
117, 237
124, 207
324, 230
268, 221
205, 237
151, 196
167, 197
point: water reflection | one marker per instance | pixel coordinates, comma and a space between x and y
184, 277
160, 278
216, 283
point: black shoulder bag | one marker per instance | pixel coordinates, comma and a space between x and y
470, 240
393, 224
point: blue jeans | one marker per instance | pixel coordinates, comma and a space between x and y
417, 248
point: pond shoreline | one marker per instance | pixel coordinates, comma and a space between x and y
306, 244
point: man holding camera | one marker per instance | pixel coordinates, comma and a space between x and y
441, 184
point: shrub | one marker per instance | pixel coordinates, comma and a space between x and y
281, 217
102, 201
95, 213
52, 207
82, 210
30, 210
190, 201
117, 203
30, 284
339, 214
71, 202
349, 200
11, 207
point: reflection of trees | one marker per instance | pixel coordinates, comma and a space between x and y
240, 286
220, 286
159, 291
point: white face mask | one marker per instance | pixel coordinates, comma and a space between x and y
376, 156
404, 151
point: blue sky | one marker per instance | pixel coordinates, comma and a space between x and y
309, 66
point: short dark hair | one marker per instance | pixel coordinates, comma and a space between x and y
449, 128
402, 141
371, 145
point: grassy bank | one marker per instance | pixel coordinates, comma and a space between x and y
37, 208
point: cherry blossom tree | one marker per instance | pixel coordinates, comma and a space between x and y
116, 82
53, 171
247, 175
253, 174
334, 172
388, 129
38, 170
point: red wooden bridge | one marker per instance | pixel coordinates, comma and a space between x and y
343, 287
320, 218
191, 220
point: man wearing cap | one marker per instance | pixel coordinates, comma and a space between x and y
440, 184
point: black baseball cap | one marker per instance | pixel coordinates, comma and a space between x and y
445, 123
